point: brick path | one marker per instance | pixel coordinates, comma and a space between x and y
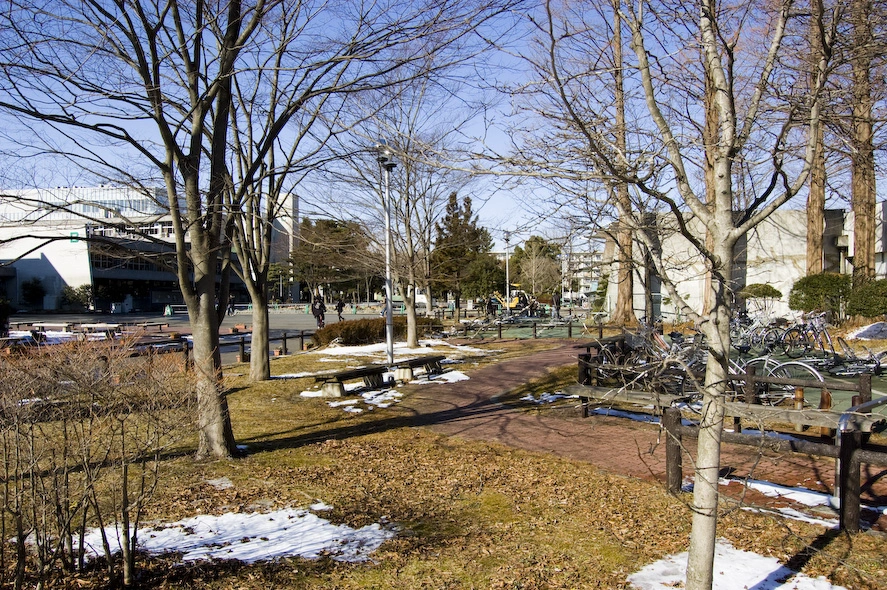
469, 409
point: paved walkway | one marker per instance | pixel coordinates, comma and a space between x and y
469, 409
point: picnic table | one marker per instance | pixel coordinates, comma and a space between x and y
63, 326
101, 327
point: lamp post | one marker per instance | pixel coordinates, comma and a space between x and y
507, 276
386, 161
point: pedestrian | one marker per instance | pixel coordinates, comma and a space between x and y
556, 304
318, 308
491, 306
340, 307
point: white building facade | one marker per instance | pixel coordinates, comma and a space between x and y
773, 253
75, 236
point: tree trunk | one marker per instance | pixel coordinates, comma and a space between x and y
215, 436
816, 195
409, 300
708, 451
623, 311
259, 361
863, 161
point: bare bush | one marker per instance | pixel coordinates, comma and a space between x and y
83, 431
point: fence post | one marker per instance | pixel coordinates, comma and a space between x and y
187, 354
674, 473
301, 340
570, 328
584, 376
499, 327
534, 330
283, 346
865, 387
799, 405
242, 349
848, 468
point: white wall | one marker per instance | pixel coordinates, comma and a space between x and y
56, 263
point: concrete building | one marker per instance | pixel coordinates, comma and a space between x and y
75, 236
774, 253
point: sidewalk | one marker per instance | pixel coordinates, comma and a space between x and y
469, 409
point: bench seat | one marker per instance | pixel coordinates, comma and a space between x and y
404, 368
334, 383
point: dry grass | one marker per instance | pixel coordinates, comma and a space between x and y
470, 514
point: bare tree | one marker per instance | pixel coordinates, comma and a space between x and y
299, 93
715, 147
143, 92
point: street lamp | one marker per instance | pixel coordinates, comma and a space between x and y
507, 276
386, 161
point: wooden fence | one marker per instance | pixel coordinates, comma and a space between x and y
848, 431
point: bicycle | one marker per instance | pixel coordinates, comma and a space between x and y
773, 394
807, 338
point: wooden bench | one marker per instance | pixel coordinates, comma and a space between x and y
403, 370
334, 383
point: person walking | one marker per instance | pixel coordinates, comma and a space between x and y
491, 307
318, 309
556, 304
340, 307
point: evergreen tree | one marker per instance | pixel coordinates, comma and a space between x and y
460, 240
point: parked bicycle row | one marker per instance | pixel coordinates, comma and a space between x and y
674, 364
808, 340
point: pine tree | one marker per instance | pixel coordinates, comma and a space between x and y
460, 240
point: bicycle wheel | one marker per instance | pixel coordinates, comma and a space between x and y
770, 339
762, 366
785, 394
796, 342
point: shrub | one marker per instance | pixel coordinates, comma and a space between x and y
825, 292
366, 331
83, 427
869, 300
5, 312
77, 297
760, 291
33, 291
760, 297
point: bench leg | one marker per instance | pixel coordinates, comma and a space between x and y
403, 374
374, 381
332, 389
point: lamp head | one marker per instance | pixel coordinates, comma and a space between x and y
384, 154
